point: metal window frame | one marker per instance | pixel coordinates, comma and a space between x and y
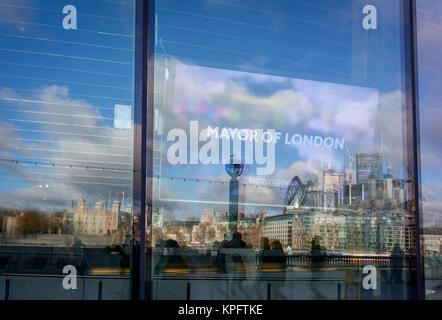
417, 280
139, 151
141, 275
141, 278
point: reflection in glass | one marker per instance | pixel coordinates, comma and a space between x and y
308, 119
429, 22
66, 100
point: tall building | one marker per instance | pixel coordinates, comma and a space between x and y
295, 193
146, 101
368, 164
279, 228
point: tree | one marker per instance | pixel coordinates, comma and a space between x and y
253, 235
31, 222
55, 222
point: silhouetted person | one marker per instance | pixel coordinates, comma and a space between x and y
316, 252
317, 260
265, 243
279, 260
396, 267
214, 254
397, 256
265, 254
264, 262
236, 241
222, 254
171, 261
236, 263
225, 242
171, 244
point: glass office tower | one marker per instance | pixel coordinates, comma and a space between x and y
218, 149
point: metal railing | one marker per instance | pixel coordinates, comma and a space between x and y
352, 261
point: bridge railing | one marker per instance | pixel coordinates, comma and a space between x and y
344, 261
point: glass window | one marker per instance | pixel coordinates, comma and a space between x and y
429, 22
279, 163
279, 155
66, 141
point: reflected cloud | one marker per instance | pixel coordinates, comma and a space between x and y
429, 27
66, 143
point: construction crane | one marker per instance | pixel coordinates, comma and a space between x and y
350, 157
350, 165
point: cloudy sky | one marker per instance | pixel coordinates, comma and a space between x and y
292, 68
296, 67
430, 94
65, 98
233, 99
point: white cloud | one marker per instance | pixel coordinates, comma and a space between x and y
67, 132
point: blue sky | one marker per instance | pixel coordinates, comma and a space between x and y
59, 88
58, 91
430, 91
246, 47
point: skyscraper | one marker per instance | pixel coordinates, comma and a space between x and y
295, 193
368, 164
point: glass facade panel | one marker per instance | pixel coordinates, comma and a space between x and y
280, 161
66, 119
251, 149
429, 22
